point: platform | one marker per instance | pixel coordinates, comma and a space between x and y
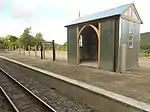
133, 84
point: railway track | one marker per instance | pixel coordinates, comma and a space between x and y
20, 98
5, 104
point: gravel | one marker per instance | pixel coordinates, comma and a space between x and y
4, 105
54, 98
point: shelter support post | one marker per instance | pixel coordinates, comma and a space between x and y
78, 53
123, 58
99, 41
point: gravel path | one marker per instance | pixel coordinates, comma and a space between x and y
53, 97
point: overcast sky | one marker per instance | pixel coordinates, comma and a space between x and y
50, 16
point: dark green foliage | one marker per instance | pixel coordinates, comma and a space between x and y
13, 38
145, 43
39, 39
9, 40
62, 47
145, 40
1, 43
26, 39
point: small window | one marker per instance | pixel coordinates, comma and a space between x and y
80, 41
130, 40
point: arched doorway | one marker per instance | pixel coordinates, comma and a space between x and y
88, 44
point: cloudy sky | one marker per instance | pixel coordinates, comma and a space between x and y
50, 16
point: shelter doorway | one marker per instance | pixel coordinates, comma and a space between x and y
88, 44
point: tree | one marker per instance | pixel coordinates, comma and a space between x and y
26, 39
39, 39
65, 46
13, 38
62, 47
1, 43
6, 40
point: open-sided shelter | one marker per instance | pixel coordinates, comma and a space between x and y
109, 39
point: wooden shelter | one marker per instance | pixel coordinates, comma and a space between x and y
98, 39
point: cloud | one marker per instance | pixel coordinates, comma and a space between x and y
3, 4
11, 27
51, 30
50, 16
25, 8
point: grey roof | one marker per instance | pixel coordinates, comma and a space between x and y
100, 15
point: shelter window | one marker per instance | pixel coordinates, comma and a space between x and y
81, 41
130, 41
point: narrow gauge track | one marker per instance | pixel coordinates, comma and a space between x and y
21, 99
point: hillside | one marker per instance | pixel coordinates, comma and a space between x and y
145, 39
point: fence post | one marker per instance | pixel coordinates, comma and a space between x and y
15, 48
41, 51
35, 49
5, 48
11, 48
23, 50
8, 48
54, 55
29, 49
19, 50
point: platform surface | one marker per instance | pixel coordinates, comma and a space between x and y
134, 84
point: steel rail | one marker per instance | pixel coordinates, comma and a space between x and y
9, 100
26, 89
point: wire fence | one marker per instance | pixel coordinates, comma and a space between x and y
46, 54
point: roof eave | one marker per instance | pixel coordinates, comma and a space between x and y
92, 20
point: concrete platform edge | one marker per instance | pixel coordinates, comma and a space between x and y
123, 100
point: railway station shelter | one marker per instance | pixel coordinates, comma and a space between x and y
107, 40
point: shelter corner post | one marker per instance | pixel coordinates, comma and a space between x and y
78, 52
99, 41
